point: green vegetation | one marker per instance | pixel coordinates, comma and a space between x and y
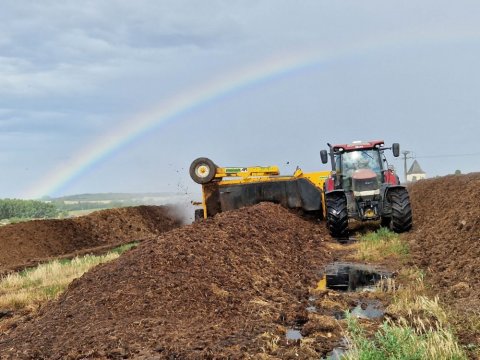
31, 287
26, 209
119, 250
402, 341
109, 200
16, 210
380, 244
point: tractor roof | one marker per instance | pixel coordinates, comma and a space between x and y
358, 145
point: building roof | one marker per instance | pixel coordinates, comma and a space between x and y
415, 169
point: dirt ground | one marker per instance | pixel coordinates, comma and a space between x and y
224, 287
231, 286
28, 243
445, 242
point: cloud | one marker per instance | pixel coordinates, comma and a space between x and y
33, 122
52, 47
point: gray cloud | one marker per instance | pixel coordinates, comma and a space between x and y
51, 47
72, 71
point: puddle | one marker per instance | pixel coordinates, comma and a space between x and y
344, 276
293, 334
338, 352
352, 277
347, 241
311, 308
368, 309
6, 313
339, 315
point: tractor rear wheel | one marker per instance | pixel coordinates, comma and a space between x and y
337, 215
401, 210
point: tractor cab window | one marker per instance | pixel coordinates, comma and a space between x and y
348, 162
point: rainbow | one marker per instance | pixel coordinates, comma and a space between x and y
132, 128
167, 111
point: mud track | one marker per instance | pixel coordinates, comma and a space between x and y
28, 243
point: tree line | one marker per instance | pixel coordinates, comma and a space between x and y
27, 209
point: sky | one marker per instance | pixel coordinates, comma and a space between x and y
121, 96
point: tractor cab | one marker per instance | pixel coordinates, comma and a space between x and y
352, 166
360, 165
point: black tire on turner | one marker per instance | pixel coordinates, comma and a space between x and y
401, 210
199, 214
203, 170
337, 215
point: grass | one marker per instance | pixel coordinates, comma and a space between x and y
378, 245
31, 287
400, 341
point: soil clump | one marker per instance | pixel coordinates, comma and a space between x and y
29, 243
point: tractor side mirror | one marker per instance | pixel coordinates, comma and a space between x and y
324, 156
396, 149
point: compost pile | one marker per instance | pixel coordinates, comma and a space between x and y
28, 243
446, 236
222, 287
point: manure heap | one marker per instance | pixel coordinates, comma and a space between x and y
446, 237
445, 242
29, 243
212, 289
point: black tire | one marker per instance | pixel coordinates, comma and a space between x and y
401, 210
337, 215
199, 214
203, 170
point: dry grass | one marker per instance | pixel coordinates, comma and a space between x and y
271, 342
29, 288
418, 327
410, 299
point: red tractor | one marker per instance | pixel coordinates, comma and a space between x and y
363, 187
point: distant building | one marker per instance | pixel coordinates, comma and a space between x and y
415, 173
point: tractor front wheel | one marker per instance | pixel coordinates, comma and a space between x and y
337, 215
401, 210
